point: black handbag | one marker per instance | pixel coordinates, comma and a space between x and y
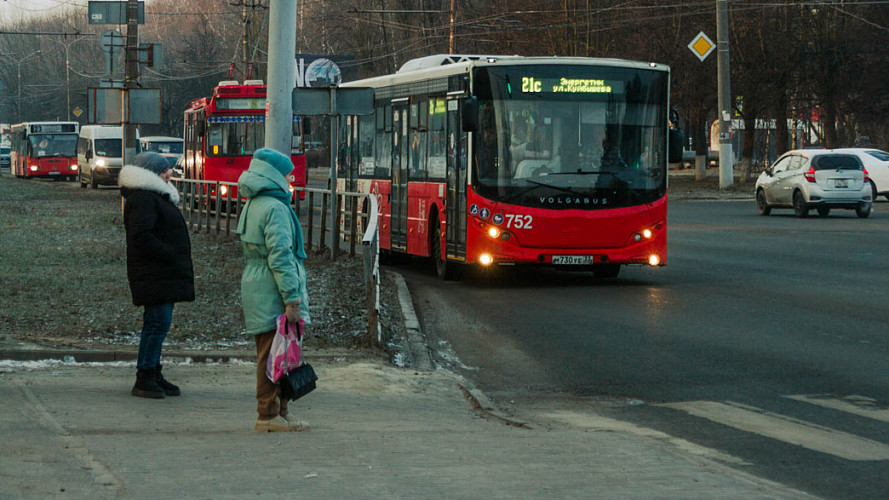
298, 382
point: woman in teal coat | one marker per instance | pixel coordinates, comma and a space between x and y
274, 278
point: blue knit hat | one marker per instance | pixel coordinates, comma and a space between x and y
276, 159
151, 161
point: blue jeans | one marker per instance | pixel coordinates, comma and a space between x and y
156, 321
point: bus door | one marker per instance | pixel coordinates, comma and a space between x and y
455, 225
400, 158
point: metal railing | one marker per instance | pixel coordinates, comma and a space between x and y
204, 211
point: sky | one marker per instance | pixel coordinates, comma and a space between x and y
14, 9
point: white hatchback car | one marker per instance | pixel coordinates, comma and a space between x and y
822, 179
876, 162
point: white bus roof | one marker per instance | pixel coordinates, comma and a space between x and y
442, 65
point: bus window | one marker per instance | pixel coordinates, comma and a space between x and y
366, 163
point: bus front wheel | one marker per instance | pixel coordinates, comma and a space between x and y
443, 269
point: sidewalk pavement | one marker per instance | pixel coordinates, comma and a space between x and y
377, 431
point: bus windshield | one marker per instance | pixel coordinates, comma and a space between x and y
235, 139
53, 145
569, 136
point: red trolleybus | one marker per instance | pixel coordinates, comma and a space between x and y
44, 149
510, 160
224, 130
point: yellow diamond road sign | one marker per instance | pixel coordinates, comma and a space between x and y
702, 46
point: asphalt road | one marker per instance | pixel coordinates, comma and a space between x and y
765, 338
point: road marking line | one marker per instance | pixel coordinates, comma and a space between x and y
787, 429
856, 405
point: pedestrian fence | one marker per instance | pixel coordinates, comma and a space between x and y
211, 207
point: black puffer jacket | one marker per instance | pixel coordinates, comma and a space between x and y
159, 265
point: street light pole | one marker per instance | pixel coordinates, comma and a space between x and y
68, 67
19, 112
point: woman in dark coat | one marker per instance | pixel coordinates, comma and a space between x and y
159, 265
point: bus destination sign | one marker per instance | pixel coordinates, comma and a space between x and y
532, 85
240, 104
49, 128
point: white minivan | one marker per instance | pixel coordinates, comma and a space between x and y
100, 154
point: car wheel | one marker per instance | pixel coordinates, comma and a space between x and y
82, 182
873, 188
606, 270
761, 204
863, 210
823, 211
93, 183
800, 208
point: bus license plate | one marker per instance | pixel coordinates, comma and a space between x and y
573, 259
841, 183
54, 173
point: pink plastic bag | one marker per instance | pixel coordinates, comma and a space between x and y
286, 352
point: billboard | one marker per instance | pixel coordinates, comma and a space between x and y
321, 70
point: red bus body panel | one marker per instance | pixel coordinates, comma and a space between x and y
606, 234
51, 166
534, 234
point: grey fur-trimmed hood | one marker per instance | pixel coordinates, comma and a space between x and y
132, 177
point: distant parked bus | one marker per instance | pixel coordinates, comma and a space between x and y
508, 160
224, 130
44, 149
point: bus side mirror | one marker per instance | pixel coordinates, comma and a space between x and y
675, 145
469, 116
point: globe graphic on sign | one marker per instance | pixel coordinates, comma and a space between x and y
323, 73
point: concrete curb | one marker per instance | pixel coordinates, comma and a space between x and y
415, 343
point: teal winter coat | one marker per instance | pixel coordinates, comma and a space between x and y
271, 239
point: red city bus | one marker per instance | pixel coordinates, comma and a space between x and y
508, 160
44, 149
224, 130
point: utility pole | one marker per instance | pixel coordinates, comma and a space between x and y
726, 157
281, 69
131, 80
451, 47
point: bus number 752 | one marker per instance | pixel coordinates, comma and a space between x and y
518, 221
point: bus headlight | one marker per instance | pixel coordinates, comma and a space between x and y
223, 190
33, 168
653, 260
485, 259
493, 232
73, 168
644, 234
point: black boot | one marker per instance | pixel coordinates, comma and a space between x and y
168, 388
146, 386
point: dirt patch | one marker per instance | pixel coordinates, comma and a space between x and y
63, 280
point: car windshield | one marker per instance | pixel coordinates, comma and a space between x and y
108, 147
880, 155
53, 144
836, 162
165, 147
